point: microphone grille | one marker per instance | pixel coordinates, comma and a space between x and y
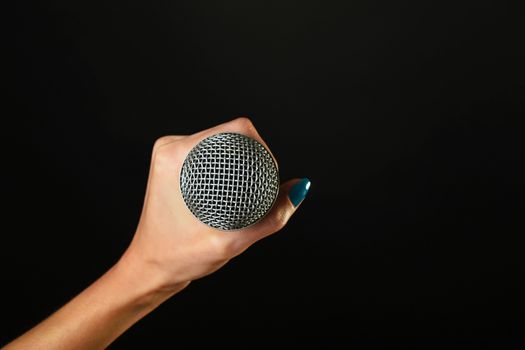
229, 181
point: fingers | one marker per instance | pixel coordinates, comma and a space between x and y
291, 195
177, 146
165, 140
240, 125
159, 143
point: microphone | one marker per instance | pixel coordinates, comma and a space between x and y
229, 181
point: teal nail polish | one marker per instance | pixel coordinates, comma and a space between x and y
299, 191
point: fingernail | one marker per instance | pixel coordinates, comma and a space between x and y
299, 191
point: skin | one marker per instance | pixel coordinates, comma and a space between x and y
170, 249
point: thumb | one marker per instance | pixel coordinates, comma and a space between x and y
291, 194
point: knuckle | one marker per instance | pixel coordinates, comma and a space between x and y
222, 247
161, 156
161, 141
245, 124
166, 157
278, 220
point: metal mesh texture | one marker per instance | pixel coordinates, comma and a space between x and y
229, 181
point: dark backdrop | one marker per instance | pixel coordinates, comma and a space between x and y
403, 114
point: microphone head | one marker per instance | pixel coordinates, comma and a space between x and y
229, 181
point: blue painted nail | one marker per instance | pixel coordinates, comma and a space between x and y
299, 191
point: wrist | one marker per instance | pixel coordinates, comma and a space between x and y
146, 287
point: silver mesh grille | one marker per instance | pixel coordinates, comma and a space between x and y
229, 181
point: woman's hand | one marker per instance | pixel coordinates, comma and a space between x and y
171, 246
169, 250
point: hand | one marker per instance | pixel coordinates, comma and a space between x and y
171, 247
169, 250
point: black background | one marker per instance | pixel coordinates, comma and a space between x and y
403, 114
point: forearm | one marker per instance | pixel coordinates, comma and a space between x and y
102, 312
